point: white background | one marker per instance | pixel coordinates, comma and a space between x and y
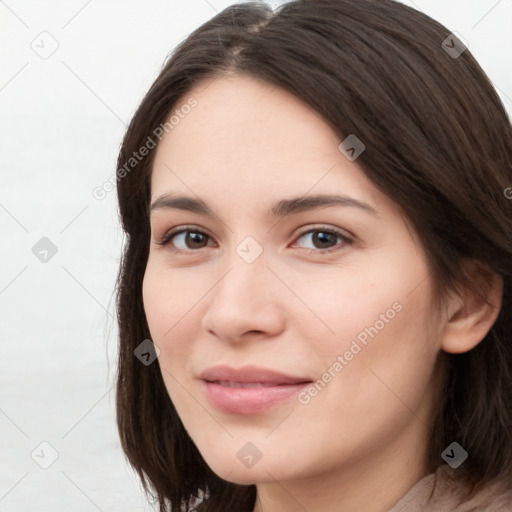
62, 120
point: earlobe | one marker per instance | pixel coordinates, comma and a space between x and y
473, 313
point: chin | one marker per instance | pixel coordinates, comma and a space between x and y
234, 470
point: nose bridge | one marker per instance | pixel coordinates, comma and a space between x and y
246, 270
241, 301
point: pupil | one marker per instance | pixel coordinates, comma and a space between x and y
194, 238
324, 237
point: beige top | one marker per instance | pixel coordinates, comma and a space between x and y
447, 490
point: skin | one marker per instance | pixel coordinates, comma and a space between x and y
360, 443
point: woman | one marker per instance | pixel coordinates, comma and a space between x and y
314, 298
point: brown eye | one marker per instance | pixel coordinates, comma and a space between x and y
188, 239
324, 240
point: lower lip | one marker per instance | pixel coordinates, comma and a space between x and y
249, 400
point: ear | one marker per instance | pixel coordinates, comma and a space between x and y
470, 316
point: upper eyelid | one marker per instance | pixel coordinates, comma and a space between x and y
301, 230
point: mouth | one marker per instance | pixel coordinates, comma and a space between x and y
250, 389
231, 384
250, 375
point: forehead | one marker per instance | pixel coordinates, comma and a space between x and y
246, 137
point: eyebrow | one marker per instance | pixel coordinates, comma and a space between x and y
279, 209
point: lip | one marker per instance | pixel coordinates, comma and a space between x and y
250, 374
249, 389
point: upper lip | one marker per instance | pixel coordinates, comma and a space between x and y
250, 374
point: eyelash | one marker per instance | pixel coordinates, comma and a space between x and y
167, 237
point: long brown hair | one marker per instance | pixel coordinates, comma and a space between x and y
438, 142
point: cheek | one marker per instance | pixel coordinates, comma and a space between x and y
167, 300
378, 324
171, 307
339, 305
378, 392
154, 300
166, 310
387, 359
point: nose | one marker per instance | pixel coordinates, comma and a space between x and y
245, 303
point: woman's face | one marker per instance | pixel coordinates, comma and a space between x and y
249, 285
